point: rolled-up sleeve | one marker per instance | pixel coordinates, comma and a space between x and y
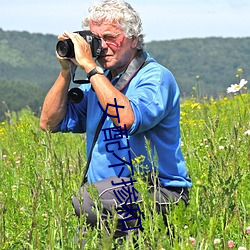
152, 98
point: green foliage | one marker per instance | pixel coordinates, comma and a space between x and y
40, 172
208, 62
28, 58
36, 184
216, 146
14, 95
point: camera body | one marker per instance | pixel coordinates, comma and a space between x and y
65, 48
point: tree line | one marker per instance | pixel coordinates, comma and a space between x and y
202, 67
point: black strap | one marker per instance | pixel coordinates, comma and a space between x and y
97, 132
136, 64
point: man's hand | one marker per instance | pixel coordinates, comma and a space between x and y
66, 63
83, 54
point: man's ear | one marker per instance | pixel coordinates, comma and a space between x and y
134, 42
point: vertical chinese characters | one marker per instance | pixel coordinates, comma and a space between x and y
117, 142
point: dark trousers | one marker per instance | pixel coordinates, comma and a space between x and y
118, 195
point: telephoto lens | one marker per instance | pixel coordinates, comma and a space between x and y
65, 48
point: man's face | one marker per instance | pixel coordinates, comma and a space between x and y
118, 50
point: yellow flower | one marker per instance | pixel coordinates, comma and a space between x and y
240, 70
195, 105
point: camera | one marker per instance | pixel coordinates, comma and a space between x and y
65, 48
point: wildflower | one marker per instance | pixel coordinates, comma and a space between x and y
45, 216
14, 188
237, 87
248, 230
192, 240
240, 70
198, 182
247, 133
137, 160
230, 244
195, 106
216, 241
221, 147
242, 248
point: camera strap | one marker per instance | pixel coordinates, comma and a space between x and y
136, 64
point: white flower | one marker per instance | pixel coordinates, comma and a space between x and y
242, 248
246, 133
217, 241
237, 87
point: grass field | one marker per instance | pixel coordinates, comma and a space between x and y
40, 172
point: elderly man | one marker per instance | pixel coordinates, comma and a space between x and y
140, 101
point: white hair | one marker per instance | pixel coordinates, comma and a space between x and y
120, 13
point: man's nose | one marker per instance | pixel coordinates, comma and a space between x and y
104, 44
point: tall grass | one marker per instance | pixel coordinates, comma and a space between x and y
40, 172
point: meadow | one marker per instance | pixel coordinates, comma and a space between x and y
40, 172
